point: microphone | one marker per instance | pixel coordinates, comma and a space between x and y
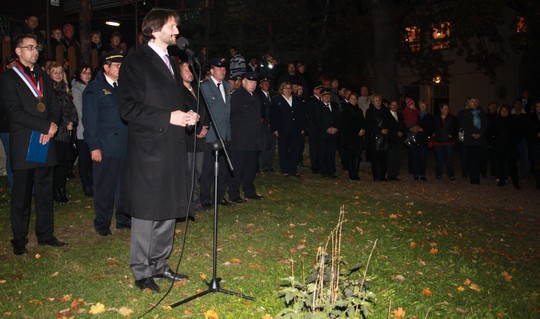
183, 44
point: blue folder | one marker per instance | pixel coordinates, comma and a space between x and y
37, 152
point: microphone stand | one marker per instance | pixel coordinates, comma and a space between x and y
214, 283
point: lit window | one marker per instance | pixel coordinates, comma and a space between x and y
412, 37
441, 36
521, 26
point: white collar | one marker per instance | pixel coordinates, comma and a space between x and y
157, 49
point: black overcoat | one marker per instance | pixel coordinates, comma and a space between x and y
20, 105
157, 179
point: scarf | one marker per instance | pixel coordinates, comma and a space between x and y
476, 118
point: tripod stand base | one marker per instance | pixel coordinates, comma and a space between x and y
213, 286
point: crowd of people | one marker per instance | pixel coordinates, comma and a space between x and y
172, 126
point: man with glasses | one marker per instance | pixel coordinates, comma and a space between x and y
28, 98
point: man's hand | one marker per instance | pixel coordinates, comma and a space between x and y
276, 133
183, 119
362, 132
96, 155
44, 139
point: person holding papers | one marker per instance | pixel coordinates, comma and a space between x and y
27, 97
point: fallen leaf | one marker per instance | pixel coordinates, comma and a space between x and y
393, 216
167, 307
36, 302
460, 289
188, 312
506, 276
75, 304
235, 261
37, 256
399, 313
426, 292
97, 309
2, 281
475, 287
211, 314
399, 277
462, 310
467, 282
500, 315
66, 298
203, 275
267, 316
434, 251
125, 311
412, 244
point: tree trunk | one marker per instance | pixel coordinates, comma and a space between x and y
385, 50
85, 20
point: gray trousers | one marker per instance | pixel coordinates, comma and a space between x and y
151, 246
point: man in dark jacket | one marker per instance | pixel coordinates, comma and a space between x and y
106, 136
328, 123
246, 135
268, 139
157, 184
27, 97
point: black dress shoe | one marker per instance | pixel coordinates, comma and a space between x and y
51, 242
19, 247
256, 196
147, 283
238, 200
171, 275
224, 202
104, 232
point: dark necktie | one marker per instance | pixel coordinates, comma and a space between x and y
221, 92
115, 85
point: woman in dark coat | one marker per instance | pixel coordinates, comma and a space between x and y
195, 144
422, 130
505, 138
444, 142
65, 129
377, 124
354, 130
475, 127
288, 124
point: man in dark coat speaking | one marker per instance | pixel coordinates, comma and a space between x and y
157, 179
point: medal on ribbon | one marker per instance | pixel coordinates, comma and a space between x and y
40, 106
34, 86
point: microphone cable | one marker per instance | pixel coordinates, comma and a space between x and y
184, 237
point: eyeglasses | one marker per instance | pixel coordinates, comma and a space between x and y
30, 47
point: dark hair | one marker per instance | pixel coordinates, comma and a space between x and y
19, 40
79, 70
116, 34
155, 20
29, 15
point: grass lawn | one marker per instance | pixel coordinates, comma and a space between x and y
431, 260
